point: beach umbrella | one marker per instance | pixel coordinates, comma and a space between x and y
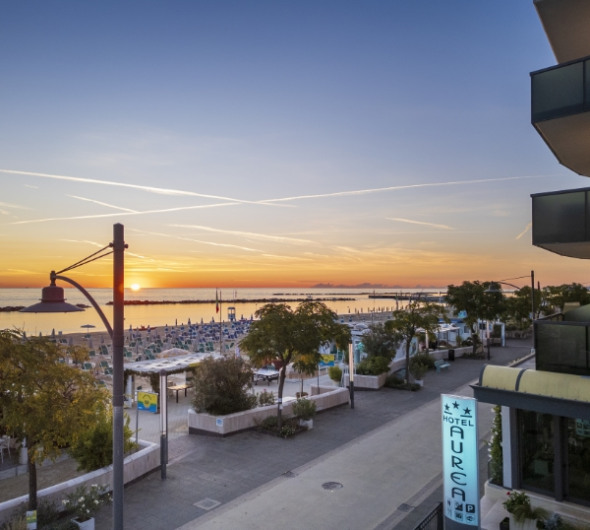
88, 326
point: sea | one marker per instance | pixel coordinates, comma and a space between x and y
173, 307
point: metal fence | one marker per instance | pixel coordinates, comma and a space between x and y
434, 520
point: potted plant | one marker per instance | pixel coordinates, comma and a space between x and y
304, 410
83, 504
418, 369
335, 373
518, 505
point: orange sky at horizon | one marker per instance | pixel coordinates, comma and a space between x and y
432, 270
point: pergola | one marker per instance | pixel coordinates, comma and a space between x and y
172, 361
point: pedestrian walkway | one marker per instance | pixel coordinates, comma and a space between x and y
367, 467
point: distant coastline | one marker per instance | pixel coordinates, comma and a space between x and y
235, 301
8, 309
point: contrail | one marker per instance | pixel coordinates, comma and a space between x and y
122, 214
192, 240
526, 229
150, 189
404, 187
410, 221
252, 235
100, 203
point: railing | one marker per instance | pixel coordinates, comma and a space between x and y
563, 347
560, 90
434, 520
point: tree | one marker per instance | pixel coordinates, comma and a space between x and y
94, 448
477, 301
557, 296
380, 342
222, 386
45, 401
283, 335
407, 322
518, 307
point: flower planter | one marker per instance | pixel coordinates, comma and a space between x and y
88, 524
308, 424
527, 524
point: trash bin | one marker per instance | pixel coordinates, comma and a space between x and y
451, 355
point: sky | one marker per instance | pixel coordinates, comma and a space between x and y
274, 143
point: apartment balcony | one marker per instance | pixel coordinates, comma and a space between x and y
560, 112
561, 222
562, 347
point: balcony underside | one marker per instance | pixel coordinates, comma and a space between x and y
569, 140
566, 24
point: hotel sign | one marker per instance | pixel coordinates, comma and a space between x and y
460, 462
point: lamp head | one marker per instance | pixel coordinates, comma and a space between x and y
52, 300
494, 287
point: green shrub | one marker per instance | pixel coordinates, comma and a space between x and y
289, 429
418, 370
222, 386
495, 448
269, 423
266, 398
94, 449
304, 409
335, 373
373, 366
394, 381
423, 358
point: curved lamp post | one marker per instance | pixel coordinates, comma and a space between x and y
492, 289
53, 301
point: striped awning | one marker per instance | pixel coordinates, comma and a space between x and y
540, 391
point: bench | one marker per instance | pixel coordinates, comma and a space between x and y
441, 364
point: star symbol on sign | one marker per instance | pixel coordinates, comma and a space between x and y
455, 405
467, 411
446, 407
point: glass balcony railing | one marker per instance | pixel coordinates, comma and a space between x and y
560, 91
562, 347
563, 218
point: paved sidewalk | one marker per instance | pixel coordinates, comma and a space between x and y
367, 467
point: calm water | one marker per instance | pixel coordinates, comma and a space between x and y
357, 301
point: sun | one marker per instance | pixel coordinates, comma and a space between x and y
135, 287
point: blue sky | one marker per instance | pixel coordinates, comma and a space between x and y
264, 143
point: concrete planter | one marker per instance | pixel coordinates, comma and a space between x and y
203, 423
367, 382
136, 465
308, 424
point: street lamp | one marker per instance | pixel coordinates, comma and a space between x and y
493, 289
53, 301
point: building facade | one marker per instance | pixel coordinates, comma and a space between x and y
546, 407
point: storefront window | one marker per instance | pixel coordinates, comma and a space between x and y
536, 443
578, 460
